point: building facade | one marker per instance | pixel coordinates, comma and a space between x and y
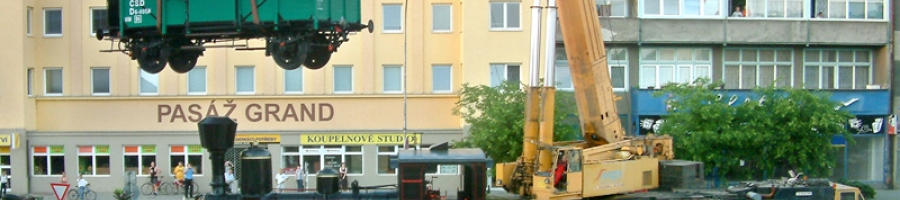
69, 107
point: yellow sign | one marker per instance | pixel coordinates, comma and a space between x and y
261, 138
6, 140
361, 138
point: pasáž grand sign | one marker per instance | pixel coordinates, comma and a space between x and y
253, 112
361, 138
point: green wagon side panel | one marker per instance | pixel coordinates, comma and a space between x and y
346, 9
268, 11
175, 12
219, 11
297, 10
138, 13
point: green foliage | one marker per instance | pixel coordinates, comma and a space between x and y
121, 195
866, 189
792, 129
496, 118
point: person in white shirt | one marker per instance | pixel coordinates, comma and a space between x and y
3, 181
229, 179
82, 185
280, 179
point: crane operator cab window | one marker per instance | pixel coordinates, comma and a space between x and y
567, 161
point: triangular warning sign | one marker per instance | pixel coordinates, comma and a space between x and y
60, 190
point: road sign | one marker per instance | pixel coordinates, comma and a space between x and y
60, 190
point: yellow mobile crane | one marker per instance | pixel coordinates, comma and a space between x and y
607, 161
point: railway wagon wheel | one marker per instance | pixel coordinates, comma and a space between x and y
152, 58
183, 61
288, 54
319, 54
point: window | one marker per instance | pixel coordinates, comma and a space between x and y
5, 161
197, 80
612, 8
441, 18
837, 69
343, 79
244, 80
100, 81
138, 158
441, 79
48, 160
851, 9
748, 68
660, 66
185, 154
93, 160
28, 13
30, 80
505, 16
98, 20
53, 81
315, 157
504, 72
774, 8
293, 81
443, 170
393, 18
149, 83
393, 79
689, 8
384, 159
53, 22
617, 61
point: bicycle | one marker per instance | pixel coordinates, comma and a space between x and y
88, 193
147, 188
176, 187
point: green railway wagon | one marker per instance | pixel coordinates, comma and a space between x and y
158, 33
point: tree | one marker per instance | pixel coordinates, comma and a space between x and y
788, 129
496, 118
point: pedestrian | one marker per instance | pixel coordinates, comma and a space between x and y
229, 180
63, 179
280, 179
343, 172
179, 173
300, 174
188, 181
154, 177
82, 185
3, 181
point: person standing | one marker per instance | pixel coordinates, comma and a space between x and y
280, 179
188, 181
154, 177
82, 185
179, 173
343, 172
3, 181
63, 179
300, 174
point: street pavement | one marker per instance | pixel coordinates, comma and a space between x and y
496, 193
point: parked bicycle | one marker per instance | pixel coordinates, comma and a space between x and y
147, 188
88, 194
176, 187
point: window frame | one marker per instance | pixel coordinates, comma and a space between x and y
450, 78
237, 80
836, 67
804, 11
600, 13
197, 69
140, 155
335, 79
657, 63
505, 26
758, 65
321, 151
108, 80
29, 73
94, 154
384, 29
29, 20
141, 74
506, 67
449, 18
49, 154
389, 154
643, 14
93, 31
285, 82
61, 22
885, 6
384, 79
186, 155
61, 80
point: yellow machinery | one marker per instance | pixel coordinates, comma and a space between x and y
607, 162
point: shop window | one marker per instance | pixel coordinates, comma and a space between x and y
384, 158
48, 160
138, 159
93, 160
748, 68
185, 154
5, 162
866, 156
317, 157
